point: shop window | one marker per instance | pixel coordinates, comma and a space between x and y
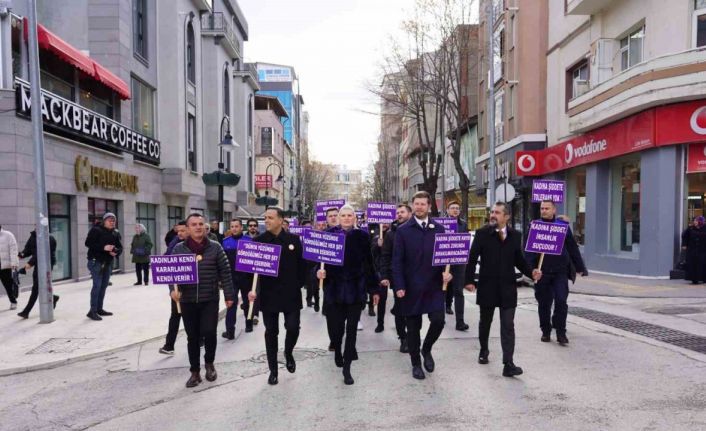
625, 204
139, 13
576, 202
699, 23
142, 108
56, 75
60, 228
577, 81
696, 197
631, 48
191, 144
266, 141
174, 215
147, 215
95, 97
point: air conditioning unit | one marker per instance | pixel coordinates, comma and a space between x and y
602, 54
581, 87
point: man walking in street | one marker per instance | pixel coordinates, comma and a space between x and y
199, 302
417, 283
499, 248
8, 263
554, 285
454, 294
215, 225
103, 245
281, 294
174, 317
241, 280
30, 250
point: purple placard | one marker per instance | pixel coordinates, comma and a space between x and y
543, 190
363, 226
175, 269
546, 237
381, 212
451, 249
450, 224
294, 221
324, 247
359, 215
298, 230
322, 206
258, 258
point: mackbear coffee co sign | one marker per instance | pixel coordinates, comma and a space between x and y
88, 176
66, 118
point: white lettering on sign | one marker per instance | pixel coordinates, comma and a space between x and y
588, 148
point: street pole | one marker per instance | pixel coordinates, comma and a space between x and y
489, 21
43, 268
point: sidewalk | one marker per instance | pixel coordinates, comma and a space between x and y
141, 314
631, 287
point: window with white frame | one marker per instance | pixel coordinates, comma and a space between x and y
191, 144
699, 28
498, 48
579, 76
631, 48
499, 119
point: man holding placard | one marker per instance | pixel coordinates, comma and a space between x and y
455, 293
499, 248
556, 267
241, 280
418, 284
199, 300
281, 293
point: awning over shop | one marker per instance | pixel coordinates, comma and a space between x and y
111, 80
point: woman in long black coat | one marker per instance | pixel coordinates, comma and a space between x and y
346, 288
693, 240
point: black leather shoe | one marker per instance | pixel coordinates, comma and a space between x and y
331, 347
338, 358
211, 374
511, 370
102, 312
248, 326
428, 362
355, 355
194, 380
93, 316
228, 334
347, 378
561, 339
462, 326
546, 338
417, 372
139, 283
272, 380
483, 357
404, 348
449, 310
379, 328
289, 362
56, 299
316, 308
371, 312
23, 315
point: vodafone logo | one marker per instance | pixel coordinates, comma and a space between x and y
526, 163
698, 121
587, 149
569, 153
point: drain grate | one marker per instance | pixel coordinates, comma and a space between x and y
656, 332
676, 310
299, 355
60, 345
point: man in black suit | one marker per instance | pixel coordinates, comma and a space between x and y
454, 293
500, 250
281, 294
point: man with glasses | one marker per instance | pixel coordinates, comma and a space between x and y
253, 229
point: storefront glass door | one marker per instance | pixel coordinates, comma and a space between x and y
60, 228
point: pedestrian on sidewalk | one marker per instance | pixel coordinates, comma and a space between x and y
103, 245
242, 281
499, 248
141, 249
454, 292
346, 289
169, 237
693, 241
8, 264
174, 317
418, 284
199, 302
281, 294
30, 250
554, 285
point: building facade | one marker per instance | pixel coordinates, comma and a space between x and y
344, 185
270, 147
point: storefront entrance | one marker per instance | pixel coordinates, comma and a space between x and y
96, 208
60, 228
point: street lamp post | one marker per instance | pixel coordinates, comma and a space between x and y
219, 177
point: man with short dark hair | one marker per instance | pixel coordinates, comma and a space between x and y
174, 317
454, 292
169, 237
285, 225
331, 217
418, 284
215, 230
253, 228
103, 245
241, 280
499, 248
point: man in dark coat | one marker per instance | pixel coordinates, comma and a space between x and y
30, 250
454, 294
404, 213
103, 245
174, 317
419, 284
499, 248
242, 281
281, 294
693, 241
554, 285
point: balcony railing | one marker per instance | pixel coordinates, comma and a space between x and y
217, 25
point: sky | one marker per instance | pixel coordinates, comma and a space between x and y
336, 47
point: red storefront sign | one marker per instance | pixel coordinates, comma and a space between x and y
666, 125
696, 158
263, 181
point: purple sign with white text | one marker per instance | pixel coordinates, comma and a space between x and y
381, 212
324, 247
322, 206
450, 224
451, 249
175, 269
298, 230
548, 190
258, 258
544, 237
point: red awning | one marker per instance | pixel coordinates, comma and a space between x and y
53, 43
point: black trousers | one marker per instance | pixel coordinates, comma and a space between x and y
143, 271
312, 292
174, 319
400, 323
507, 330
200, 321
414, 328
6, 277
344, 321
35, 293
552, 289
382, 305
454, 292
291, 325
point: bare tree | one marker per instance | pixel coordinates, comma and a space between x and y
316, 177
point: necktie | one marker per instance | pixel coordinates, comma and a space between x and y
424, 225
501, 234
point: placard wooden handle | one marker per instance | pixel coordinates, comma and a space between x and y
253, 290
321, 281
447, 270
541, 261
176, 289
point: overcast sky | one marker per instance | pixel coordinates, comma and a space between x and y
335, 47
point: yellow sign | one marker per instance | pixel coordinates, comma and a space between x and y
88, 176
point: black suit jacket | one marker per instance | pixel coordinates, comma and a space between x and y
497, 286
283, 293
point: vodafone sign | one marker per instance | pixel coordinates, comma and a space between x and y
665, 125
696, 158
